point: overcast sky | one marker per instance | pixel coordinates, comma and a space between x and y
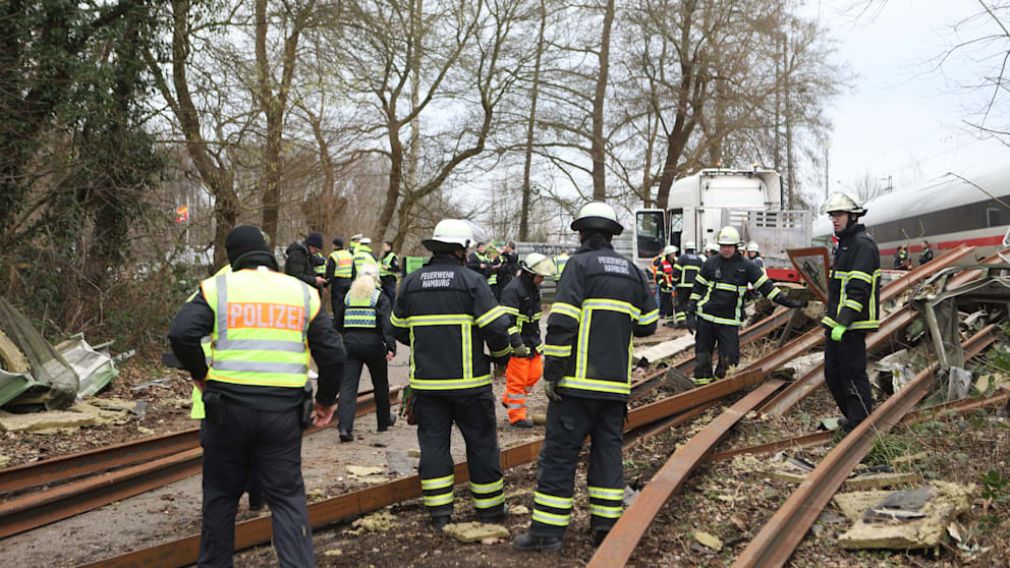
902, 117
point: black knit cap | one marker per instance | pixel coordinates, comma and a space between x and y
337, 241
314, 240
243, 240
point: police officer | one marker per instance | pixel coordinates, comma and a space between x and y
508, 267
853, 309
717, 300
389, 268
603, 301
521, 300
927, 253
362, 255
685, 270
299, 260
264, 325
446, 313
338, 273
363, 320
479, 261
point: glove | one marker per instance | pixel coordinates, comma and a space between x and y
837, 332
793, 303
551, 390
521, 351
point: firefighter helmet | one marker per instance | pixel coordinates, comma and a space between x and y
538, 264
670, 249
449, 233
753, 247
690, 245
728, 236
843, 202
597, 216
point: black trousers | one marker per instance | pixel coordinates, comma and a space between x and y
241, 442
665, 304
683, 299
568, 424
363, 348
474, 415
707, 336
389, 287
338, 289
845, 373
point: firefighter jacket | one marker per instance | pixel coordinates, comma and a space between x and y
339, 265
686, 269
664, 275
521, 300
446, 313
721, 284
854, 286
603, 300
367, 315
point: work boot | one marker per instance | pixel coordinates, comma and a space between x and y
598, 537
524, 423
702, 381
529, 543
439, 522
389, 424
345, 435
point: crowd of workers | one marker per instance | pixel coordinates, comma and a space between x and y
264, 325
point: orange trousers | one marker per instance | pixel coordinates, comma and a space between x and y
520, 376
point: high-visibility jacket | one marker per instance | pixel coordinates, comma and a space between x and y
560, 261
318, 264
521, 300
854, 285
602, 302
475, 259
362, 256
686, 269
261, 319
446, 313
360, 313
664, 275
340, 264
720, 287
390, 265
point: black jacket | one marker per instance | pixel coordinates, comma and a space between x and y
299, 263
603, 300
475, 259
854, 286
446, 313
720, 287
384, 329
686, 269
521, 300
196, 320
507, 269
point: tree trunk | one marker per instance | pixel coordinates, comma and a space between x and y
395, 177
524, 214
598, 149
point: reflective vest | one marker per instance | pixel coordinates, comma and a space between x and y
560, 261
360, 314
343, 262
319, 264
363, 256
261, 322
386, 268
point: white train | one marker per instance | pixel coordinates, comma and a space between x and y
962, 207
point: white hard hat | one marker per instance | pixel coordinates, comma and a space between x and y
690, 245
670, 249
449, 233
728, 236
843, 201
541, 265
365, 241
753, 247
598, 216
356, 237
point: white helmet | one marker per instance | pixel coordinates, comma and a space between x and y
728, 236
711, 247
598, 216
690, 245
449, 233
365, 241
843, 201
357, 237
538, 264
753, 247
670, 249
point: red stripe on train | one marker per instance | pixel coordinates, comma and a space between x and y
995, 240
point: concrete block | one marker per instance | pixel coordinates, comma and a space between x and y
948, 501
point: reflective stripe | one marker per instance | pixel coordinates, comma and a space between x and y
550, 518
569, 310
701, 279
760, 281
730, 287
649, 317
557, 350
859, 275
343, 261
516, 405
437, 500
260, 345
488, 502
606, 493
853, 304
440, 319
611, 305
595, 385
437, 482
513, 330
490, 316
718, 320
552, 501
398, 322
487, 487
259, 367
773, 293
450, 384
605, 512
510, 310
502, 352
694, 297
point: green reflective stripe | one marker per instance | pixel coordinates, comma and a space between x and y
437, 500
467, 349
502, 352
701, 279
760, 281
510, 310
773, 293
859, 275
719, 320
611, 305
605, 512
488, 502
828, 321
490, 315
550, 518
853, 304
440, 319
609, 493
582, 347
649, 317
540, 348
694, 297
552, 501
871, 324
528, 319
450, 384
569, 310
438, 482
513, 330
260, 345
557, 350
680, 316
595, 385
730, 287
487, 487
398, 322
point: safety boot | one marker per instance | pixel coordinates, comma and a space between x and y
439, 522
345, 435
392, 420
524, 423
529, 543
599, 536
702, 381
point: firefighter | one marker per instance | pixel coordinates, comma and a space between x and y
664, 282
264, 325
446, 313
685, 270
754, 254
853, 309
521, 300
362, 255
363, 320
602, 302
338, 273
389, 269
927, 253
717, 301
